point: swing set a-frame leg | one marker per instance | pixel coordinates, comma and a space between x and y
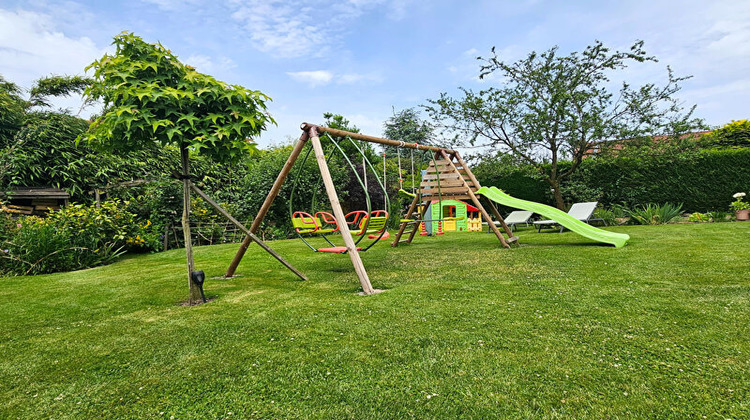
267, 203
338, 212
247, 231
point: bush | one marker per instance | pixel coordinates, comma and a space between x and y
75, 237
700, 180
734, 134
700, 217
654, 214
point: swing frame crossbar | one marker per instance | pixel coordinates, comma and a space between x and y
310, 133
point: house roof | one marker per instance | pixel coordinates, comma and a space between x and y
469, 207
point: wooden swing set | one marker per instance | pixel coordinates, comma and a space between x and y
447, 177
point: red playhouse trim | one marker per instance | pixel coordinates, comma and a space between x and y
336, 249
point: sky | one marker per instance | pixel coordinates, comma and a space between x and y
365, 59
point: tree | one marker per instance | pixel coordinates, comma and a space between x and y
37, 146
12, 111
407, 126
552, 107
150, 98
352, 193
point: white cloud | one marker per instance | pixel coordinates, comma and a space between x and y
367, 124
206, 64
297, 28
172, 5
312, 78
355, 78
31, 46
324, 77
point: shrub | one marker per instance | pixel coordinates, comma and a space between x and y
734, 134
654, 214
75, 237
700, 217
608, 216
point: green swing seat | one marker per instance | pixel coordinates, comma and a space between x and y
305, 223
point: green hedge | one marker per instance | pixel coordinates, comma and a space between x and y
702, 181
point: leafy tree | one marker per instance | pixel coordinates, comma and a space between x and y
12, 111
351, 193
37, 146
734, 134
407, 126
552, 107
151, 98
56, 86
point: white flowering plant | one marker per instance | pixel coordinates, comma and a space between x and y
738, 203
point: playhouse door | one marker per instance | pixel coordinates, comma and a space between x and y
449, 225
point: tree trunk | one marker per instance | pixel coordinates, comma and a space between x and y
195, 294
555, 184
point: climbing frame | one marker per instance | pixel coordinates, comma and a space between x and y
448, 177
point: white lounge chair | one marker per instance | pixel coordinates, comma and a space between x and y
518, 217
580, 211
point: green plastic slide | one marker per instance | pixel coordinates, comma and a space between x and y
564, 219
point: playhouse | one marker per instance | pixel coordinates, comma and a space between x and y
453, 218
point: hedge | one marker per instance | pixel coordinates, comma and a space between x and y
702, 181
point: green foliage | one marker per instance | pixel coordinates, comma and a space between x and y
700, 180
150, 96
48, 155
655, 214
407, 126
56, 86
734, 134
12, 110
552, 107
75, 237
698, 217
609, 216
45, 154
518, 180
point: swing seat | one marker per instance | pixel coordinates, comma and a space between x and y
336, 249
305, 223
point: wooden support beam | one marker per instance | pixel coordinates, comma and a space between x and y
492, 205
357, 136
402, 228
267, 203
247, 231
478, 205
338, 212
421, 217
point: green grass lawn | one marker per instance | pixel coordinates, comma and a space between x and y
560, 327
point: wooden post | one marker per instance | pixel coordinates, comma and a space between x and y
351, 247
267, 203
249, 234
195, 293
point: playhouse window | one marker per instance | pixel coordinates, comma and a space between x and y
449, 211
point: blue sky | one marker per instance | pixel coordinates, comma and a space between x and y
365, 58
